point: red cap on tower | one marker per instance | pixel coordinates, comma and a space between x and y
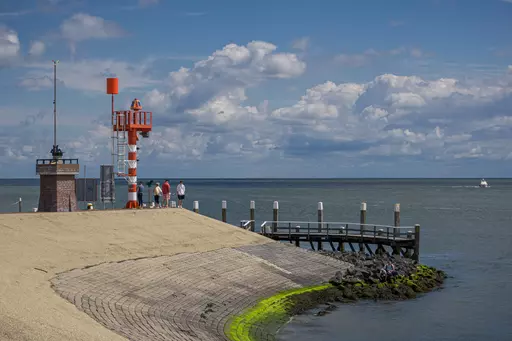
112, 86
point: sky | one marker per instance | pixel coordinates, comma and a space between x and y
418, 88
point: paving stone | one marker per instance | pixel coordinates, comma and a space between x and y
190, 296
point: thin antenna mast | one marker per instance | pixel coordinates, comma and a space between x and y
56, 152
55, 62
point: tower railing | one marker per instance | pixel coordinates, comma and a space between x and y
130, 119
52, 161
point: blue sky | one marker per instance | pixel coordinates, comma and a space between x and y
266, 88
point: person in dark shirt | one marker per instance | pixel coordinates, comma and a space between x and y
140, 194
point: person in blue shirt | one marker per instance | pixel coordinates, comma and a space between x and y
140, 194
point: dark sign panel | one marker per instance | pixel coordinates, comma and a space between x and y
87, 190
107, 183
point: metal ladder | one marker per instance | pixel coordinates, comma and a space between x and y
119, 152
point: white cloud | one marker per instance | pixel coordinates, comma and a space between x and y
390, 116
226, 73
37, 48
202, 115
370, 55
324, 101
417, 53
205, 101
87, 75
301, 43
37, 82
354, 60
156, 99
9, 45
82, 26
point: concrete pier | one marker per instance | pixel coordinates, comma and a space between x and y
138, 275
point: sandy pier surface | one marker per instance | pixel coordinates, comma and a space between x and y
34, 247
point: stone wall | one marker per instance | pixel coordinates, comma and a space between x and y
57, 193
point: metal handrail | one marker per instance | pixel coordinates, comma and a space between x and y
363, 230
56, 161
332, 223
246, 224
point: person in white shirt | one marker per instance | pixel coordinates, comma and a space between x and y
180, 191
157, 192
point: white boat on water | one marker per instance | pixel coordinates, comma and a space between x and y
483, 183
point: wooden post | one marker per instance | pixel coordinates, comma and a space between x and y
341, 245
396, 231
297, 241
85, 188
196, 206
362, 221
224, 209
397, 220
19, 205
252, 208
275, 218
416, 255
320, 222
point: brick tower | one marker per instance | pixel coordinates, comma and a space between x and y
57, 190
57, 186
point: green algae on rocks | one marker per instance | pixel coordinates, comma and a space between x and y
263, 321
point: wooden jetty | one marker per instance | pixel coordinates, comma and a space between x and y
402, 240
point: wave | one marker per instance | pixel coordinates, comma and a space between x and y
443, 208
457, 186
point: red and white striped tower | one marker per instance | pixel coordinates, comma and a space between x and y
132, 122
132, 169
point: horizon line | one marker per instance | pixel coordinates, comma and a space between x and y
281, 178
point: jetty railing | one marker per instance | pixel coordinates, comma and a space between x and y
247, 225
336, 228
404, 240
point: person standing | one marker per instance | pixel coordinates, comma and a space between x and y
166, 190
140, 194
180, 191
157, 193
